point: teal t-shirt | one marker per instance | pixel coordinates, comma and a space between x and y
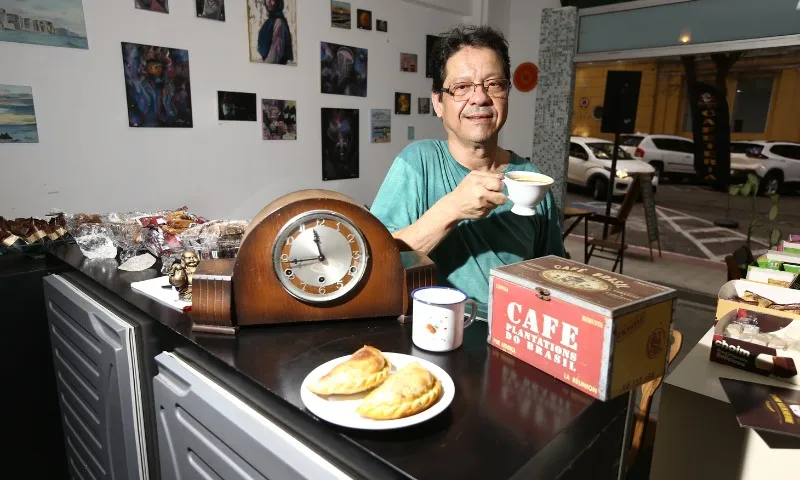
423, 173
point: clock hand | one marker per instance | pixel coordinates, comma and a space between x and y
298, 260
319, 249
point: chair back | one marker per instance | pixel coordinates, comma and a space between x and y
648, 390
627, 204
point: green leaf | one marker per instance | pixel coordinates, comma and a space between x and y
773, 212
735, 189
752, 179
746, 189
775, 236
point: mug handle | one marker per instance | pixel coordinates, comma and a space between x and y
472, 315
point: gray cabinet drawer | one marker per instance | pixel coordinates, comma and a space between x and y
204, 431
96, 367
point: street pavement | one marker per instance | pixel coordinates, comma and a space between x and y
686, 215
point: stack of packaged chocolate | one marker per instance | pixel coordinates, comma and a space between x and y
758, 318
22, 234
137, 239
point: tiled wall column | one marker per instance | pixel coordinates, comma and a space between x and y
551, 124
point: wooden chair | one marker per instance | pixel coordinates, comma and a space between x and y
738, 261
611, 237
642, 420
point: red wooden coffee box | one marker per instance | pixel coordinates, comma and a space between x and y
598, 331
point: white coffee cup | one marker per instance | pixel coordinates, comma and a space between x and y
526, 190
438, 318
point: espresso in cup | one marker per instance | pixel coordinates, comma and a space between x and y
526, 190
527, 179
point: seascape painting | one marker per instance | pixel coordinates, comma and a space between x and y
380, 125
339, 143
343, 70
56, 23
17, 115
341, 14
157, 86
272, 26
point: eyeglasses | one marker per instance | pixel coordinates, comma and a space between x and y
495, 87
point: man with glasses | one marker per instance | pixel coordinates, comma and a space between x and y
447, 198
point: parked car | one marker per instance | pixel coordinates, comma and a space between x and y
776, 163
670, 155
590, 167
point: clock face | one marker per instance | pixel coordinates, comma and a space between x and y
319, 256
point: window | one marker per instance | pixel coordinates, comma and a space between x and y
604, 151
788, 151
751, 106
631, 140
746, 147
577, 151
674, 145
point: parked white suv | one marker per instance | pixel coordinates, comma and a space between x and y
668, 154
590, 167
778, 163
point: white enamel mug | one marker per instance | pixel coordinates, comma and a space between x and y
438, 318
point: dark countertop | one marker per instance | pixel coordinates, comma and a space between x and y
507, 420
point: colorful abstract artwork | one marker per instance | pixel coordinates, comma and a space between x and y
157, 86
237, 106
56, 23
273, 31
17, 115
279, 118
340, 14
211, 9
343, 70
364, 19
402, 103
380, 125
339, 143
161, 6
408, 62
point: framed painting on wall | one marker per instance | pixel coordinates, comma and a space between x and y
157, 86
17, 115
339, 143
56, 23
211, 9
343, 70
279, 119
161, 6
272, 27
340, 14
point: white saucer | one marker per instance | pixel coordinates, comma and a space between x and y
341, 409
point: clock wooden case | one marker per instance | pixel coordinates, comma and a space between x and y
312, 255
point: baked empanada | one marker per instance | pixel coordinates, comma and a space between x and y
365, 369
412, 389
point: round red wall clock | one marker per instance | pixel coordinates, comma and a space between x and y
526, 76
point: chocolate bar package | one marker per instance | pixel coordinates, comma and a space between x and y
759, 342
595, 330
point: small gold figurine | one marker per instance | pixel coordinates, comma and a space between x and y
181, 273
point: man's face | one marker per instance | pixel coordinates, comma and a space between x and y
479, 117
270, 5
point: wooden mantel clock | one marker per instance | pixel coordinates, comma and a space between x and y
312, 255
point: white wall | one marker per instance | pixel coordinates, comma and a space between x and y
88, 159
523, 19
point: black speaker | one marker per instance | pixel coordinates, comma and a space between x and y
621, 100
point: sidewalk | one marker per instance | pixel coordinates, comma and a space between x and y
681, 272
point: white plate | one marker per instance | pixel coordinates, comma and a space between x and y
341, 409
